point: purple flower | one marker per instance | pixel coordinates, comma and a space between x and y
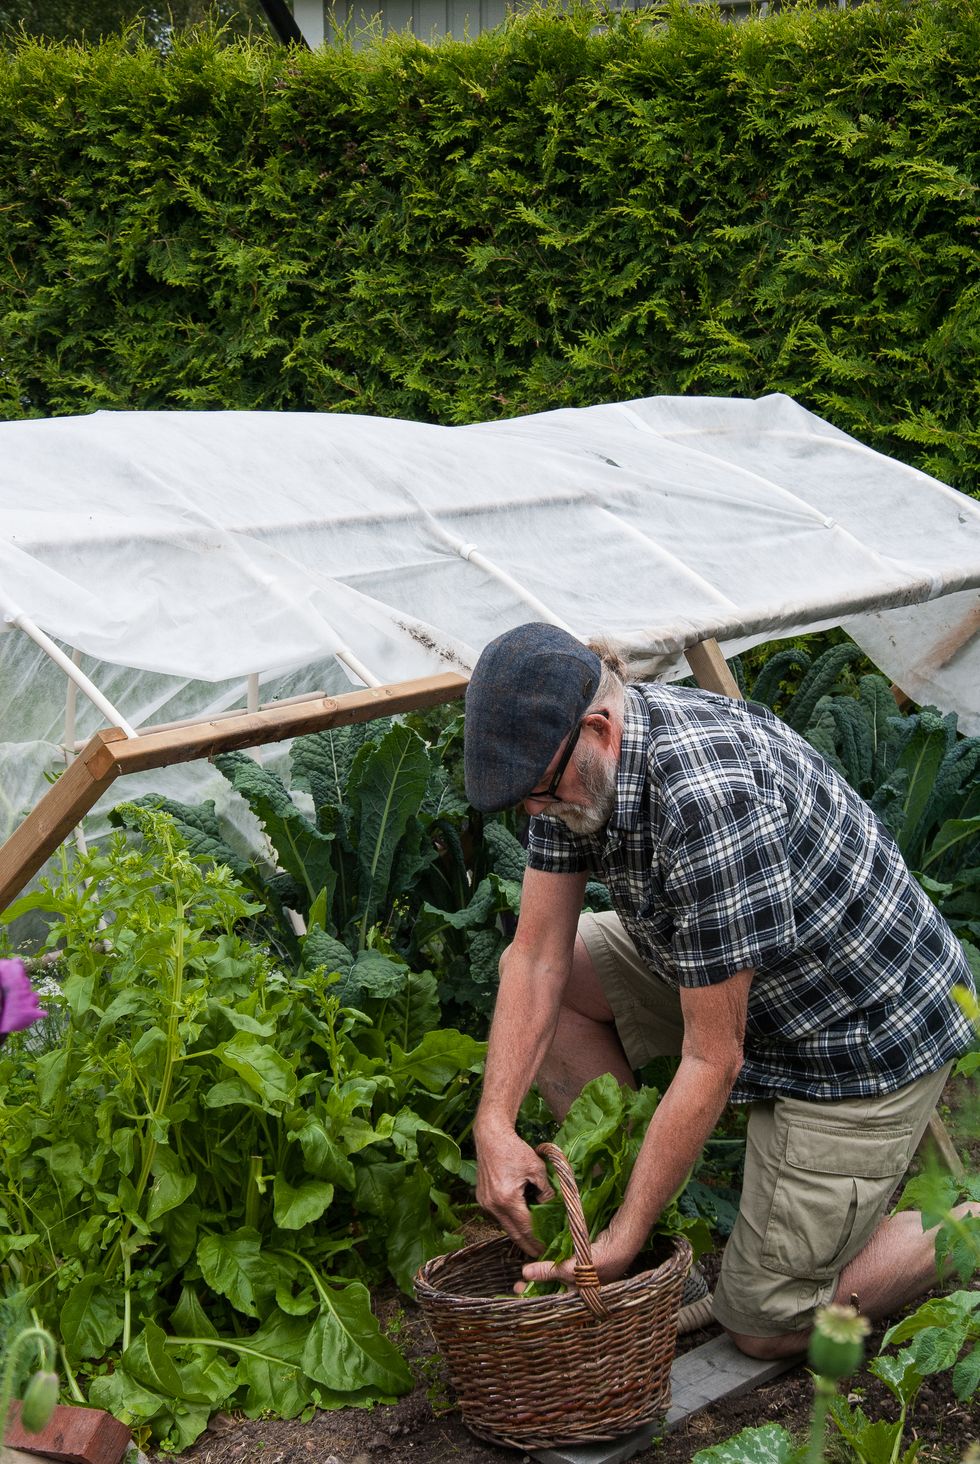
18, 1000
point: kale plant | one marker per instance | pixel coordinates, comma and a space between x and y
372, 848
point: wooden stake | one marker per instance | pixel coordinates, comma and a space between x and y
711, 670
937, 1135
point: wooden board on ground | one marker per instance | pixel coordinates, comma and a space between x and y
717, 1370
698, 1378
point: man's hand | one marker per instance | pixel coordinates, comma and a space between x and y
612, 1254
505, 1165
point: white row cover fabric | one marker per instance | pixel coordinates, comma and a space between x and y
178, 552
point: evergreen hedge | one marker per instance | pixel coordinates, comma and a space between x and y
568, 210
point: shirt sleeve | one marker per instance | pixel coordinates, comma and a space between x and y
555, 849
729, 890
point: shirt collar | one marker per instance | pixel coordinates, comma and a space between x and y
631, 775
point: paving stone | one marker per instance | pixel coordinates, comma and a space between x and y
698, 1378
74, 1436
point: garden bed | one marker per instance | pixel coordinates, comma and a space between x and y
426, 1426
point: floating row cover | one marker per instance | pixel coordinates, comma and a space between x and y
177, 553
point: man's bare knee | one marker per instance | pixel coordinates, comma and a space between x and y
768, 1349
584, 993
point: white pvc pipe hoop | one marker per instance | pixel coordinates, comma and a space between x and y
346, 656
472, 555
112, 714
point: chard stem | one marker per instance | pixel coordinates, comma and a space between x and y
73, 1387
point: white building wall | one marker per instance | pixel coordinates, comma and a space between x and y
320, 19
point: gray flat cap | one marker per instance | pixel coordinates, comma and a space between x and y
529, 689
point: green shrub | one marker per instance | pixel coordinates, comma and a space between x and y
556, 213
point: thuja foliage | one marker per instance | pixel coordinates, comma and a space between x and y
92, 20
577, 207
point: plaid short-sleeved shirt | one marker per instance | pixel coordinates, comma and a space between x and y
734, 844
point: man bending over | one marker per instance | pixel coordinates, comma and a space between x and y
764, 928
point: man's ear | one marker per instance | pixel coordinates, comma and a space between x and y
599, 722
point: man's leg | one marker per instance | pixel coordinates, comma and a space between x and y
897, 1265
615, 1016
586, 1043
811, 1227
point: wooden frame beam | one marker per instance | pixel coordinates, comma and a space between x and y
711, 670
110, 754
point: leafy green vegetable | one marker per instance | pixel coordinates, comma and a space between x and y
770, 1444
601, 1138
201, 1181
392, 862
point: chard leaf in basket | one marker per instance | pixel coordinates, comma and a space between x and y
601, 1138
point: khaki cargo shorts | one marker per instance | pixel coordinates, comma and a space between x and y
818, 1176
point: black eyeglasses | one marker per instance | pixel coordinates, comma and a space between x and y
549, 794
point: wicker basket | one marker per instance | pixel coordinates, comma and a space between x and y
587, 1364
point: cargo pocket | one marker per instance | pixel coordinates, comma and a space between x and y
833, 1187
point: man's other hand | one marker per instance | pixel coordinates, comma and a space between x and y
506, 1166
611, 1256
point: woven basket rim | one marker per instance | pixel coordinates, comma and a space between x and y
428, 1294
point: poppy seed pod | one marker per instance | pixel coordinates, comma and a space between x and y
837, 1341
38, 1403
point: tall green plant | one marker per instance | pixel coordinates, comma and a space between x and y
205, 1174
376, 850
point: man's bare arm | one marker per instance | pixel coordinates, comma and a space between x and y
714, 1029
533, 973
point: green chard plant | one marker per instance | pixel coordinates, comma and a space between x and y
217, 1157
376, 850
600, 1137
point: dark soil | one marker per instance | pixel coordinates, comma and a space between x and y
425, 1427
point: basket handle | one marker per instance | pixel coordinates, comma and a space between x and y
586, 1276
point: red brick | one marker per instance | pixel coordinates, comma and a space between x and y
74, 1435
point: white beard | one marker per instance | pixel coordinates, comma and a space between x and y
599, 777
